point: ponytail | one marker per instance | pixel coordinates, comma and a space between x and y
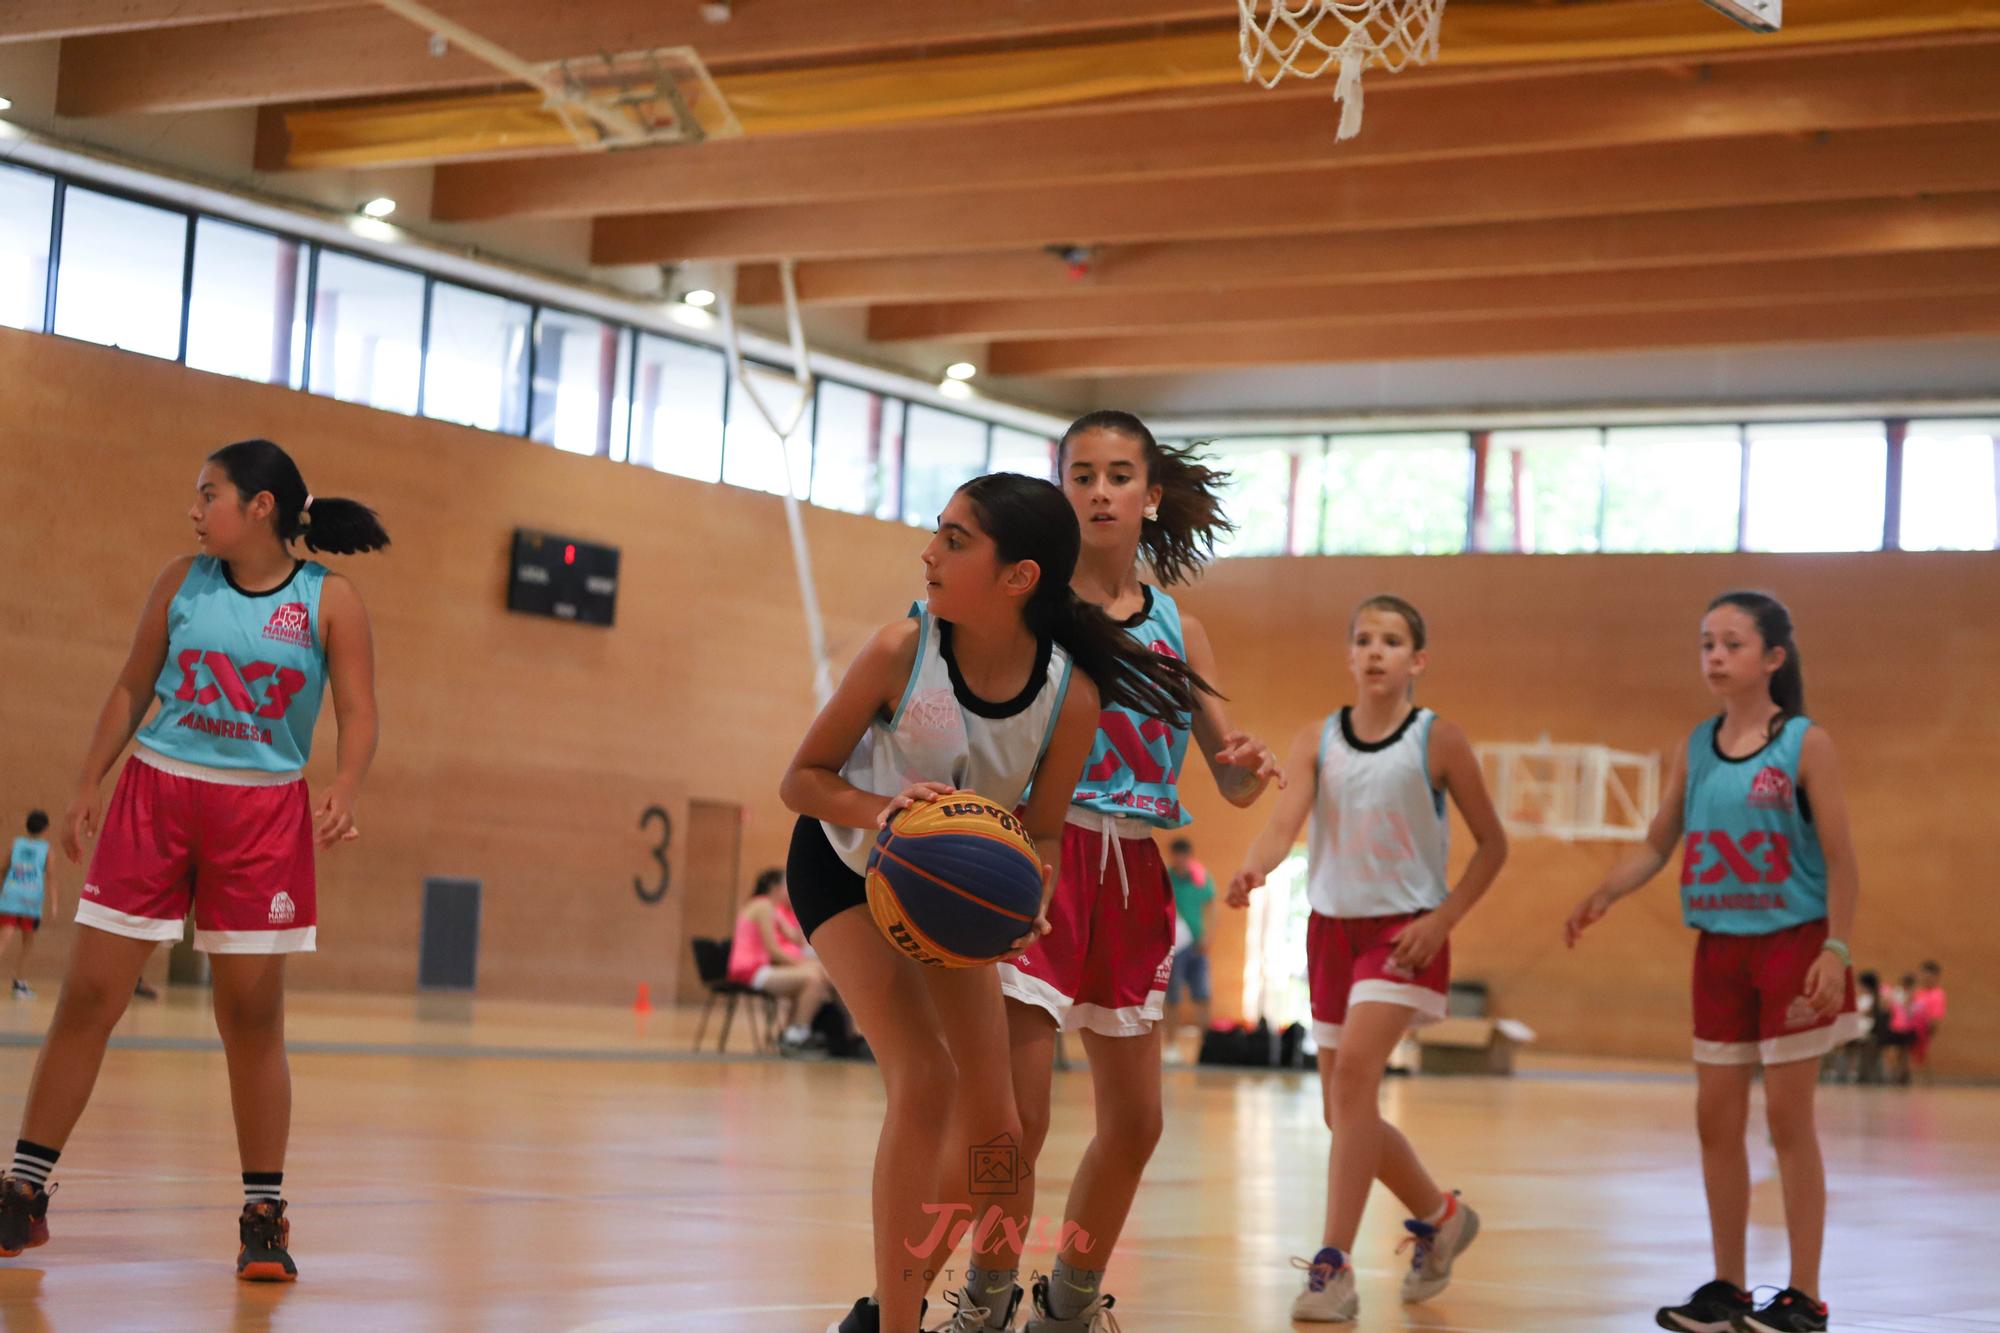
1028, 518
1774, 626
1127, 673
335, 526
1181, 539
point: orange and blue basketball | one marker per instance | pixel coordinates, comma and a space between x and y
954, 882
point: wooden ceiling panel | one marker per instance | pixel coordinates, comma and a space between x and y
1655, 178
1969, 313
1566, 245
366, 51
1941, 272
1407, 121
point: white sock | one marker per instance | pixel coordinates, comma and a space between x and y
797, 1033
1443, 1210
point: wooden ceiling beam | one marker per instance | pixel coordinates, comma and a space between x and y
1967, 313
1653, 178
42, 20
1942, 272
1565, 245
368, 52
1802, 92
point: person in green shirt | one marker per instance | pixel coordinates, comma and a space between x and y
1192, 895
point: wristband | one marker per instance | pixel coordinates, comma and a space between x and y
1838, 948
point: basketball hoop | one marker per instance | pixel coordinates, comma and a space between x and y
1572, 793
1304, 38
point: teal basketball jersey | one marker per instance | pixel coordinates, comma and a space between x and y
244, 673
27, 878
1134, 770
1751, 863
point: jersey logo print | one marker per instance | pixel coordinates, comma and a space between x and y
1771, 789
290, 623
226, 682
1131, 747
1734, 857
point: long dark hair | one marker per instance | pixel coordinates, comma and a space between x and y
1774, 626
1182, 539
1030, 519
323, 523
768, 880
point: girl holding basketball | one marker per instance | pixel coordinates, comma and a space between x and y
993, 686
1756, 802
1378, 950
237, 644
1103, 969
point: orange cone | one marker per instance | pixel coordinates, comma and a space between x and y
643, 1004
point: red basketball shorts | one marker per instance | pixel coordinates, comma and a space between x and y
1347, 963
1105, 962
1744, 986
234, 845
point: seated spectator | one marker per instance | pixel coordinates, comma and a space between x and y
770, 954
1900, 1035
1860, 1060
1927, 1008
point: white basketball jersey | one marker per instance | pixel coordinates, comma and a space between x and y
1379, 834
943, 732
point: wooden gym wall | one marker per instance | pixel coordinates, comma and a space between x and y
517, 750
523, 751
1901, 652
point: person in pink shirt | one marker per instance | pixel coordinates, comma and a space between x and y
1926, 1009
770, 954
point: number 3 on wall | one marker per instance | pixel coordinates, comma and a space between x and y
658, 891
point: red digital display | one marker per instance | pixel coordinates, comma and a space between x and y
569, 555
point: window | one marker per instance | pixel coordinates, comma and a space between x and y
476, 367
1403, 494
368, 324
1023, 451
246, 312
26, 202
119, 277
581, 366
1264, 476
1816, 487
753, 455
1949, 487
854, 450
677, 422
1672, 488
1544, 490
1274, 946
942, 451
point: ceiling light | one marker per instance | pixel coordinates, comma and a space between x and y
955, 389
379, 207
692, 317
6, 104
961, 370
701, 298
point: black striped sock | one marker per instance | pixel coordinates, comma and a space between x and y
33, 1162
263, 1186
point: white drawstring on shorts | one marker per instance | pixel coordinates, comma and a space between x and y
1109, 829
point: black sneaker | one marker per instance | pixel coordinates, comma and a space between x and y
1714, 1308
866, 1317
1790, 1311
24, 1216
265, 1233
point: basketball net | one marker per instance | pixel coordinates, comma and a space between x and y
1304, 38
784, 428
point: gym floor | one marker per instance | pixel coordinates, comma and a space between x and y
539, 1167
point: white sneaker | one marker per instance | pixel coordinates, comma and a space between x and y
1329, 1296
1437, 1246
1093, 1318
